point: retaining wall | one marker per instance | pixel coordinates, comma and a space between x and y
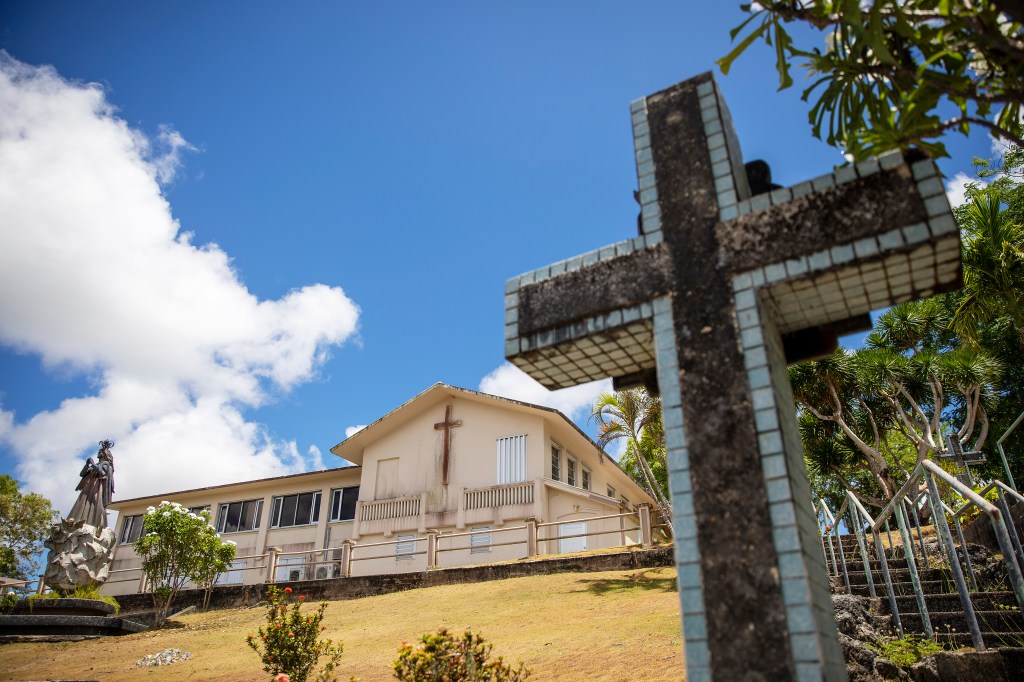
331, 589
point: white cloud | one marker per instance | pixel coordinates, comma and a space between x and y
956, 188
352, 430
96, 277
509, 381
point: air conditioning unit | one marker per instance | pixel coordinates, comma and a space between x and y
295, 574
322, 572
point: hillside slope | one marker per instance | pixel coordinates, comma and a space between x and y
617, 625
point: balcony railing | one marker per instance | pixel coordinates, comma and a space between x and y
397, 508
499, 496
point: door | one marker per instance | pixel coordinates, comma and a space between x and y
567, 544
387, 479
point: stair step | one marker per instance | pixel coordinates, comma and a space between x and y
985, 601
898, 575
954, 621
903, 588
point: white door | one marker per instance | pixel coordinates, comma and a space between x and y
567, 544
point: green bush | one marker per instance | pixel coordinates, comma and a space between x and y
80, 592
290, 642
440, 657
906, 651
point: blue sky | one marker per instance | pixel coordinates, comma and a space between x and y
240, 229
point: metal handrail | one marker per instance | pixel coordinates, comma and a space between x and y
922, 489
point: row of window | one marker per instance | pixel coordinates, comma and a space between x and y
286, 510
576, 474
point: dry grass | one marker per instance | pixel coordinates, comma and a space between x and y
615, 625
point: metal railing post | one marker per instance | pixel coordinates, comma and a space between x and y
893, 608
859, 530
942, 528
1004, 507
967, 555
908, 542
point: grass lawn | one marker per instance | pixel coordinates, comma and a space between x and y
615, 625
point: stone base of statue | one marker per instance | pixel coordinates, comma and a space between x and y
80, 555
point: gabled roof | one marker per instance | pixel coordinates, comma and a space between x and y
116, 504
352, 447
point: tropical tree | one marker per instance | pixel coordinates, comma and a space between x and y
635, 415
993, 257
895, 400
25, 520
885, 70
178, 546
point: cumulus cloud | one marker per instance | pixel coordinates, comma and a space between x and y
98, 278
352, 430
509, 381
956, 188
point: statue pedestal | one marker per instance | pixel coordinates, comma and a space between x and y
80, 555
62, 620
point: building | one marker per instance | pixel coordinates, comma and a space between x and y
450, 478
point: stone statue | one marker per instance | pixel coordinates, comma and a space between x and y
96, 488
81, 546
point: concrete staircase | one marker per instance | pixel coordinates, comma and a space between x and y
999, 618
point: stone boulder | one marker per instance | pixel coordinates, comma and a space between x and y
858, 627
80, 556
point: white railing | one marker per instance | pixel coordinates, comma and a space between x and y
499, 496
396, 508
339, 560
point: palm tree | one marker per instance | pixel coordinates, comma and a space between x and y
993, 257
632, 414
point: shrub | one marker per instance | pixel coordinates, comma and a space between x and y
290, 642
80, 592
179, 546
906, 651
440, 657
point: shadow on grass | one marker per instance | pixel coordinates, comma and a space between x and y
640, 581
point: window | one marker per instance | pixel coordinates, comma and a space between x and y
611, 492
236, 517
570, 471
405, 547
295, 510
480, 541
343, 503
556, 464
199, 509
585, 473
131, 529
291, 568
511, 459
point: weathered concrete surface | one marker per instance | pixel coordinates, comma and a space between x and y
80, 555
997, 665
232, 596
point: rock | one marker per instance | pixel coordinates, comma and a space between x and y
80, 555
165, 657
859, 627
888, 670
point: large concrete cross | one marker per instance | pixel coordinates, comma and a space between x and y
718, 293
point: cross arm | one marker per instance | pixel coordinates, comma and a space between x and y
597, 289
801, 220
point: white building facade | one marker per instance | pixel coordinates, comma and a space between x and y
452, 477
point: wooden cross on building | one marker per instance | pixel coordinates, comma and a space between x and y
719, 292
447, 425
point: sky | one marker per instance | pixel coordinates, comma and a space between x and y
233, 233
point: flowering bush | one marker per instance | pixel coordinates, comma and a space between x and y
440, 657
178, 546
290, 642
